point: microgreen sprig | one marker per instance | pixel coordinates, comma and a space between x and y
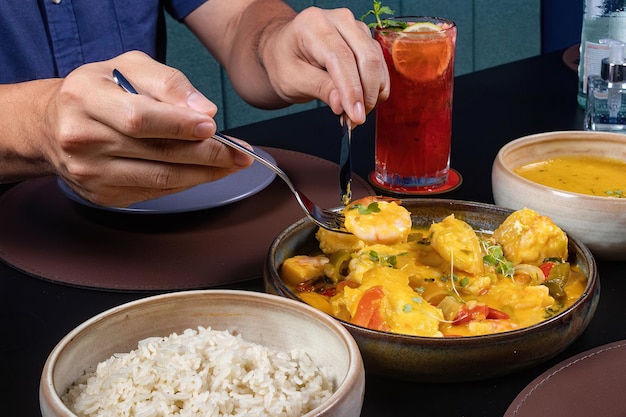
384, 260
377, 12
616, 193
495, 257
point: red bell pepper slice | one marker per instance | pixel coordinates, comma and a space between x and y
478, 312
546, 267
368, 310
497, 315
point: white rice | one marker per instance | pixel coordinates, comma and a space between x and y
201, 372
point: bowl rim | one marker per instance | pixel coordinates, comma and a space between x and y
593, 283
555, 136
354, 371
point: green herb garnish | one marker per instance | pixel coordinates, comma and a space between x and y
495, 257
379, 10
369, 209
615, 193
384, 260
419, 290
464, 282
553, 311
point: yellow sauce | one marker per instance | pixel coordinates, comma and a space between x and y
592, 175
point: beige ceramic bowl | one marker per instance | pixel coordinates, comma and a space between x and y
260, 318
429, 359
599, 222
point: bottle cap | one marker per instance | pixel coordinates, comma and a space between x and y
613, 68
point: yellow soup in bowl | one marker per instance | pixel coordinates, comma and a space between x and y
592, 175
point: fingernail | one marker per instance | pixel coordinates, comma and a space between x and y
359, 112
200, 103
333, 96
204, 130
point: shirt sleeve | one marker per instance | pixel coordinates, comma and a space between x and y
179, 9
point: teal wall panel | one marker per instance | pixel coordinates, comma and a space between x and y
505, 31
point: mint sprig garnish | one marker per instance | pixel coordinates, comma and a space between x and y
377, 12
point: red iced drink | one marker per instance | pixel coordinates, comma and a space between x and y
413, 127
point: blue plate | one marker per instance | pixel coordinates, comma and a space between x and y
224, 191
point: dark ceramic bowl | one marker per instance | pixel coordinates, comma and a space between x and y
426, 359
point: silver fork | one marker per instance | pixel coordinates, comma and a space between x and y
328, 219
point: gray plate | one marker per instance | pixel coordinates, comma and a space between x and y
224, 191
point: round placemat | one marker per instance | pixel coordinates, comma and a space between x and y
589, 384
49, 236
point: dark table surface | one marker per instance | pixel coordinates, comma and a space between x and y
491, 107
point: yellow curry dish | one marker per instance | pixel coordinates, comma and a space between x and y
445, 280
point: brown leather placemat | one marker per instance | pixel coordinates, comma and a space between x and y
47, 235
589, 384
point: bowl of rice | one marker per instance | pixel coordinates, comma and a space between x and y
205, 353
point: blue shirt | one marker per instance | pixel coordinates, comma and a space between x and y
50, 38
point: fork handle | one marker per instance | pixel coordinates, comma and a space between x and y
229, 142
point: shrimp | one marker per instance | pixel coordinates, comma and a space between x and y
458, 244
378, 220
527, 237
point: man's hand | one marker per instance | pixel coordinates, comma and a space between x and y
116, 148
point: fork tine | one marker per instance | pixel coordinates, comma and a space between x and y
327, 219
334, 218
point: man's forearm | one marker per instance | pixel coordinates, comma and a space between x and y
244, 29
22, 115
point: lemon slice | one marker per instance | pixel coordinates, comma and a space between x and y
422, 27
422, 58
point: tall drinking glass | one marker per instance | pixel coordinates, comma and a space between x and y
414, 126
